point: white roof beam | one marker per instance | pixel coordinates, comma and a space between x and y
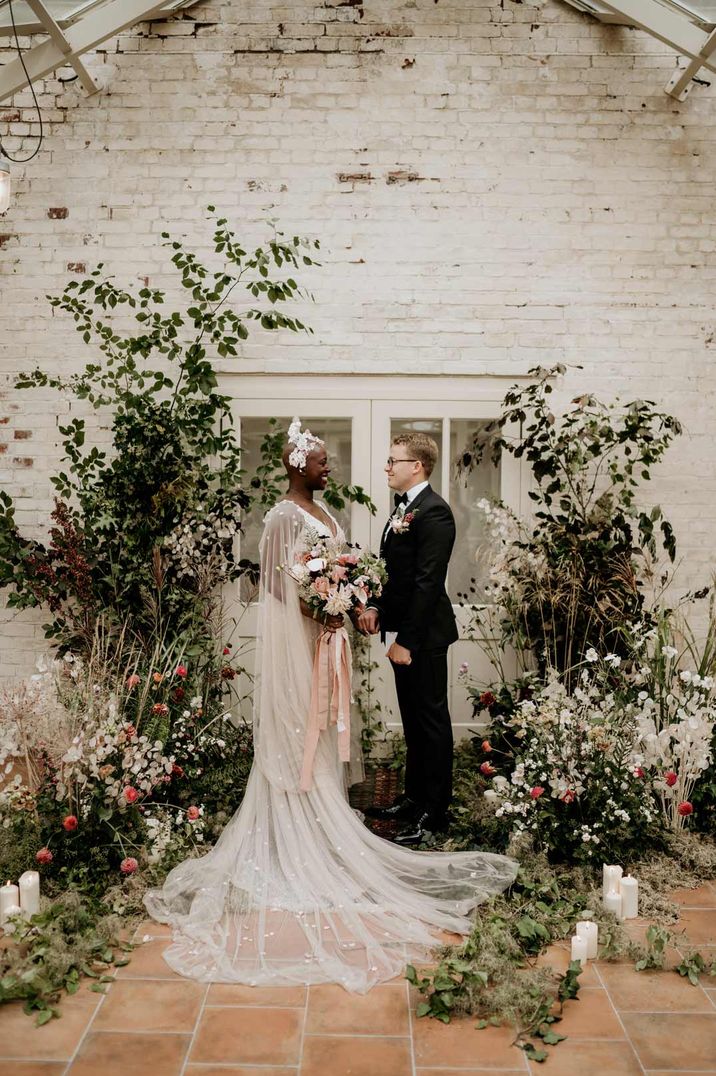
84, 35
43, 15
681, 81
668, 26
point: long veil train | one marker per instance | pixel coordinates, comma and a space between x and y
297, 890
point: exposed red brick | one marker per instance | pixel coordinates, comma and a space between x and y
5, 419
58, 213
10, 117
23, 461
3, 447
355, 177
404, 176
23, 435
76, 267
4, 239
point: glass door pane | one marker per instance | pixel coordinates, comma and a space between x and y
466, 489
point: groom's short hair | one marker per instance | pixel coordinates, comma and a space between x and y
422, 447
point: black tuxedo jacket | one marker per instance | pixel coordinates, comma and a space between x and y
414, 602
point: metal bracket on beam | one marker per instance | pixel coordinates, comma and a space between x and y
681, 81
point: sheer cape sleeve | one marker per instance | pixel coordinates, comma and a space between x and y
284, 655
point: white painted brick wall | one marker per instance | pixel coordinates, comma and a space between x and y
495, 184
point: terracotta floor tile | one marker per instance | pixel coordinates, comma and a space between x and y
636, 929
112, 1054
651, 991
324, 1055
702, 897
32, 1068
148, 928
143, 1005
671, 1040
699, 925
146, 962
558, 956
54, 1041
287, 997
471, 1072
382, 1011
249, 1036
591, 1016
712, 996
239, 1070
460, 1044
589, 1059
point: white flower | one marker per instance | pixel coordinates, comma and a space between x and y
612, 659
669, 651
591, 655
316, 564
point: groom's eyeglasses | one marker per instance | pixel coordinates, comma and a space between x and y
391, 462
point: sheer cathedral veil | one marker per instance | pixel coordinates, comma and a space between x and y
297, 889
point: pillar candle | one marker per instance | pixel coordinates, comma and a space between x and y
30, 893
9, 898
590, 932
629, 889
579, 949
610, 878
613, 903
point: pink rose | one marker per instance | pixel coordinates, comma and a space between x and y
44, 856
339, 573
160, 708
180, 671
133, 680
536, 792
486, 746
671, 778
638, 772
128, 865
487, 769
321, 585
131, 795
192, 813
568, 796
70, 823
157, 678
685, 809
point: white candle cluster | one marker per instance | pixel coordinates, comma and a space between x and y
20, 899
585, 941
620, 892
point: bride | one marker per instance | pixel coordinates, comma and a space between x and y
297, 890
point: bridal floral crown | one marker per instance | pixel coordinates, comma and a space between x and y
303, 442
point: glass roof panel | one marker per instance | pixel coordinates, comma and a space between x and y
701, 12
63, 12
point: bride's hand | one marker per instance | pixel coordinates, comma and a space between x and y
333, 623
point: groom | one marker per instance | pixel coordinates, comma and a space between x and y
415, 616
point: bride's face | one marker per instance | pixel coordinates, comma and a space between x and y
317, 469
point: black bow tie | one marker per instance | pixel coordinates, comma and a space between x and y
400, 498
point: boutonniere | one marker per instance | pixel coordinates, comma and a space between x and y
401, 519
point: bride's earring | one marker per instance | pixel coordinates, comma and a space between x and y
302, 470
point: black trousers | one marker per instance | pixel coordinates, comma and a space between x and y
422, 690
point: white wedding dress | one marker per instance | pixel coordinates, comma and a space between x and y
297, 889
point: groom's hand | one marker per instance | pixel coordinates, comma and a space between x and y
368, 622
399, 655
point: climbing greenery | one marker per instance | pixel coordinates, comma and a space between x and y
143, 530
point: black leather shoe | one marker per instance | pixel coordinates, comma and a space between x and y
424, 824
402, 810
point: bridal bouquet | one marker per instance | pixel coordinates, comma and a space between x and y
333, 583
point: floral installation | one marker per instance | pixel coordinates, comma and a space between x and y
333, 583
401, 519
107, 777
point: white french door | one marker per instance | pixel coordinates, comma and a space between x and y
358, 417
